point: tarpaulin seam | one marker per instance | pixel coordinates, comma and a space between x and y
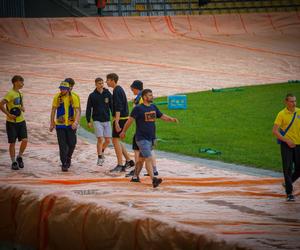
102, 28
169, 25
244, 47
44, 76
24, 28
243, 23
50, 27
170, 67
136, 228
14, 204
189, 22
86, 214
76, 26
43, 221
151, 24
245, 232
127, 27
215, 22
272, 24
231, 45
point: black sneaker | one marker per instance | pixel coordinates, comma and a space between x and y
118, 168
290, 197
135, 179
156, 182
14, 166
64, 168
20, 162
155, 173
129, 164
131, 173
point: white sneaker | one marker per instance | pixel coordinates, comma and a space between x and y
100, 161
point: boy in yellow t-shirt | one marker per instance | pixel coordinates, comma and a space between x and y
12, 105
64, 117
287, 129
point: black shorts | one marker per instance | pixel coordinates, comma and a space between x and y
16, 130
134, 145
116, 134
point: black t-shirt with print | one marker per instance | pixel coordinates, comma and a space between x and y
145, 117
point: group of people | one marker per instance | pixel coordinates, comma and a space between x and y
101, 106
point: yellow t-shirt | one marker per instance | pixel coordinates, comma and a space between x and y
284, 118
65, 112
78, 98
14, 101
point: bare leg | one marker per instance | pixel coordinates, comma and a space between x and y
136, 155
139, 166
118, 150
149, 167
154, 162
124, 152
12, 151
106, 143
99, 145
23, 146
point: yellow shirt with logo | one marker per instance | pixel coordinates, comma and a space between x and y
284, 118
65, 112
14, 101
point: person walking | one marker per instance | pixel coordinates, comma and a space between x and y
66, 110
120, 115
12, 106
287, 130
99, 106
145, 116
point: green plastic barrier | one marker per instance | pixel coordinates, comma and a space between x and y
209, 151
227, 90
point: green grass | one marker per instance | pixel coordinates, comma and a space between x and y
239, 124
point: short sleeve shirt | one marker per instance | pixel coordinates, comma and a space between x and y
145, 117
14, 100
284, 118
65, 112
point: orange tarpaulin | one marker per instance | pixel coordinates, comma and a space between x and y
198, 206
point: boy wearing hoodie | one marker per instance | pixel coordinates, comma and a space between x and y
99, 106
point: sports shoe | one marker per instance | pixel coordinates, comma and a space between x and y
14, 166
100, 160
155, 173
156, 182
20, 162
131, 173
135, 179
64, 168
290, 197
129, 164
118, 168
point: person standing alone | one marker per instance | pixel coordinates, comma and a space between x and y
287, 130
